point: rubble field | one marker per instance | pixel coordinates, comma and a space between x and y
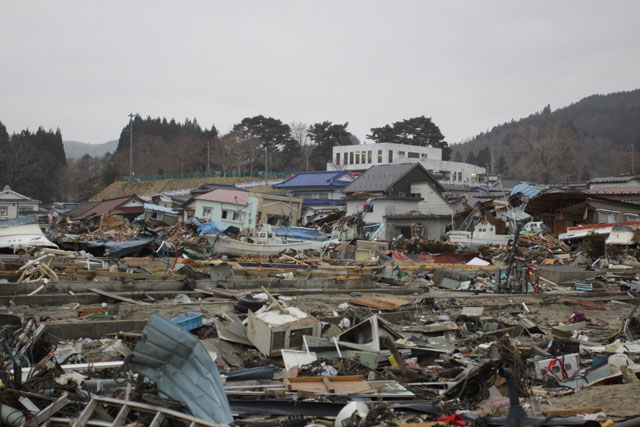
138, 325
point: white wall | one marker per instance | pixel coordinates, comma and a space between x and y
429, 157
433, 203
381, 208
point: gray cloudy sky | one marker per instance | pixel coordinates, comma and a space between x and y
84, 65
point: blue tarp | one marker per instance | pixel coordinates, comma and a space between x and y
120, 249
23, 220
211, 227
181, 368
300, 233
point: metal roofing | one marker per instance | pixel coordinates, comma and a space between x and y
181, 368
614, 190
108, 206
315, 179
613, 179
526, 189
159, 208
236, 197
380, 178
81, 208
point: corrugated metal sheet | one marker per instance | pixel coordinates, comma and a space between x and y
315, 179
528, 190
181, 367
614, 179
614, 190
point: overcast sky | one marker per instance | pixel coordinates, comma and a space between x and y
84, 65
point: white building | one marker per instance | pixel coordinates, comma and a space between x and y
14, 204
361, 157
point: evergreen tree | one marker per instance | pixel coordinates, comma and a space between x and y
414, 131
471, 158
325, 135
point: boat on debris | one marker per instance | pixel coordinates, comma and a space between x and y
582, 231
23, 231
483, 234
262, 243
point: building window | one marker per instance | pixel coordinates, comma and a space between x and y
157, 216
424, 155
364, 157
337, 158
224, 214
4, 212
345, 157
390, 156
323, 196
368, 156
357, 157
413, 155
379, 156
459, 176
351, 158
206, 212
400, 154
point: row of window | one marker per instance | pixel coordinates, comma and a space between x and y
366, 157
226, 214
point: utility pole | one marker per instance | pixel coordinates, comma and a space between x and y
492, 168
633, 171
265, 165
130, 146
306, 149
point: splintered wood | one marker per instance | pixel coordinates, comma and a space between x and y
381, 303
329, 385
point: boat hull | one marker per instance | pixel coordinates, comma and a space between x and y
227, 246
26, 235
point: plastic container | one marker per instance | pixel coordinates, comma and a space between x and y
188, 321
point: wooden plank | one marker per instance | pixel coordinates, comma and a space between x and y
388, 342
157, 420
122, 416
47, 412
117, 297
569, 412
339, 385
86, 413
382, 303
432, 328
589, 305
327, 384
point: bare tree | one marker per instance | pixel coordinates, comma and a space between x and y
300, 132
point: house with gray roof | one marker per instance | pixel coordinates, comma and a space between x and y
399, 195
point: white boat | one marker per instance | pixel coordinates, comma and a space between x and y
263, 243
484, 234
582, 231
23, 231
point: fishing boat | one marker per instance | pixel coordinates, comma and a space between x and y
262, 243
23, 231
484, 234
583, 231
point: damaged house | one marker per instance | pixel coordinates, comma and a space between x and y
402, 197
560, 209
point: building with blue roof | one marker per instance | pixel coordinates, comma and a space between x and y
318, 190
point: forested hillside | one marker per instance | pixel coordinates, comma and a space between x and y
590, 138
